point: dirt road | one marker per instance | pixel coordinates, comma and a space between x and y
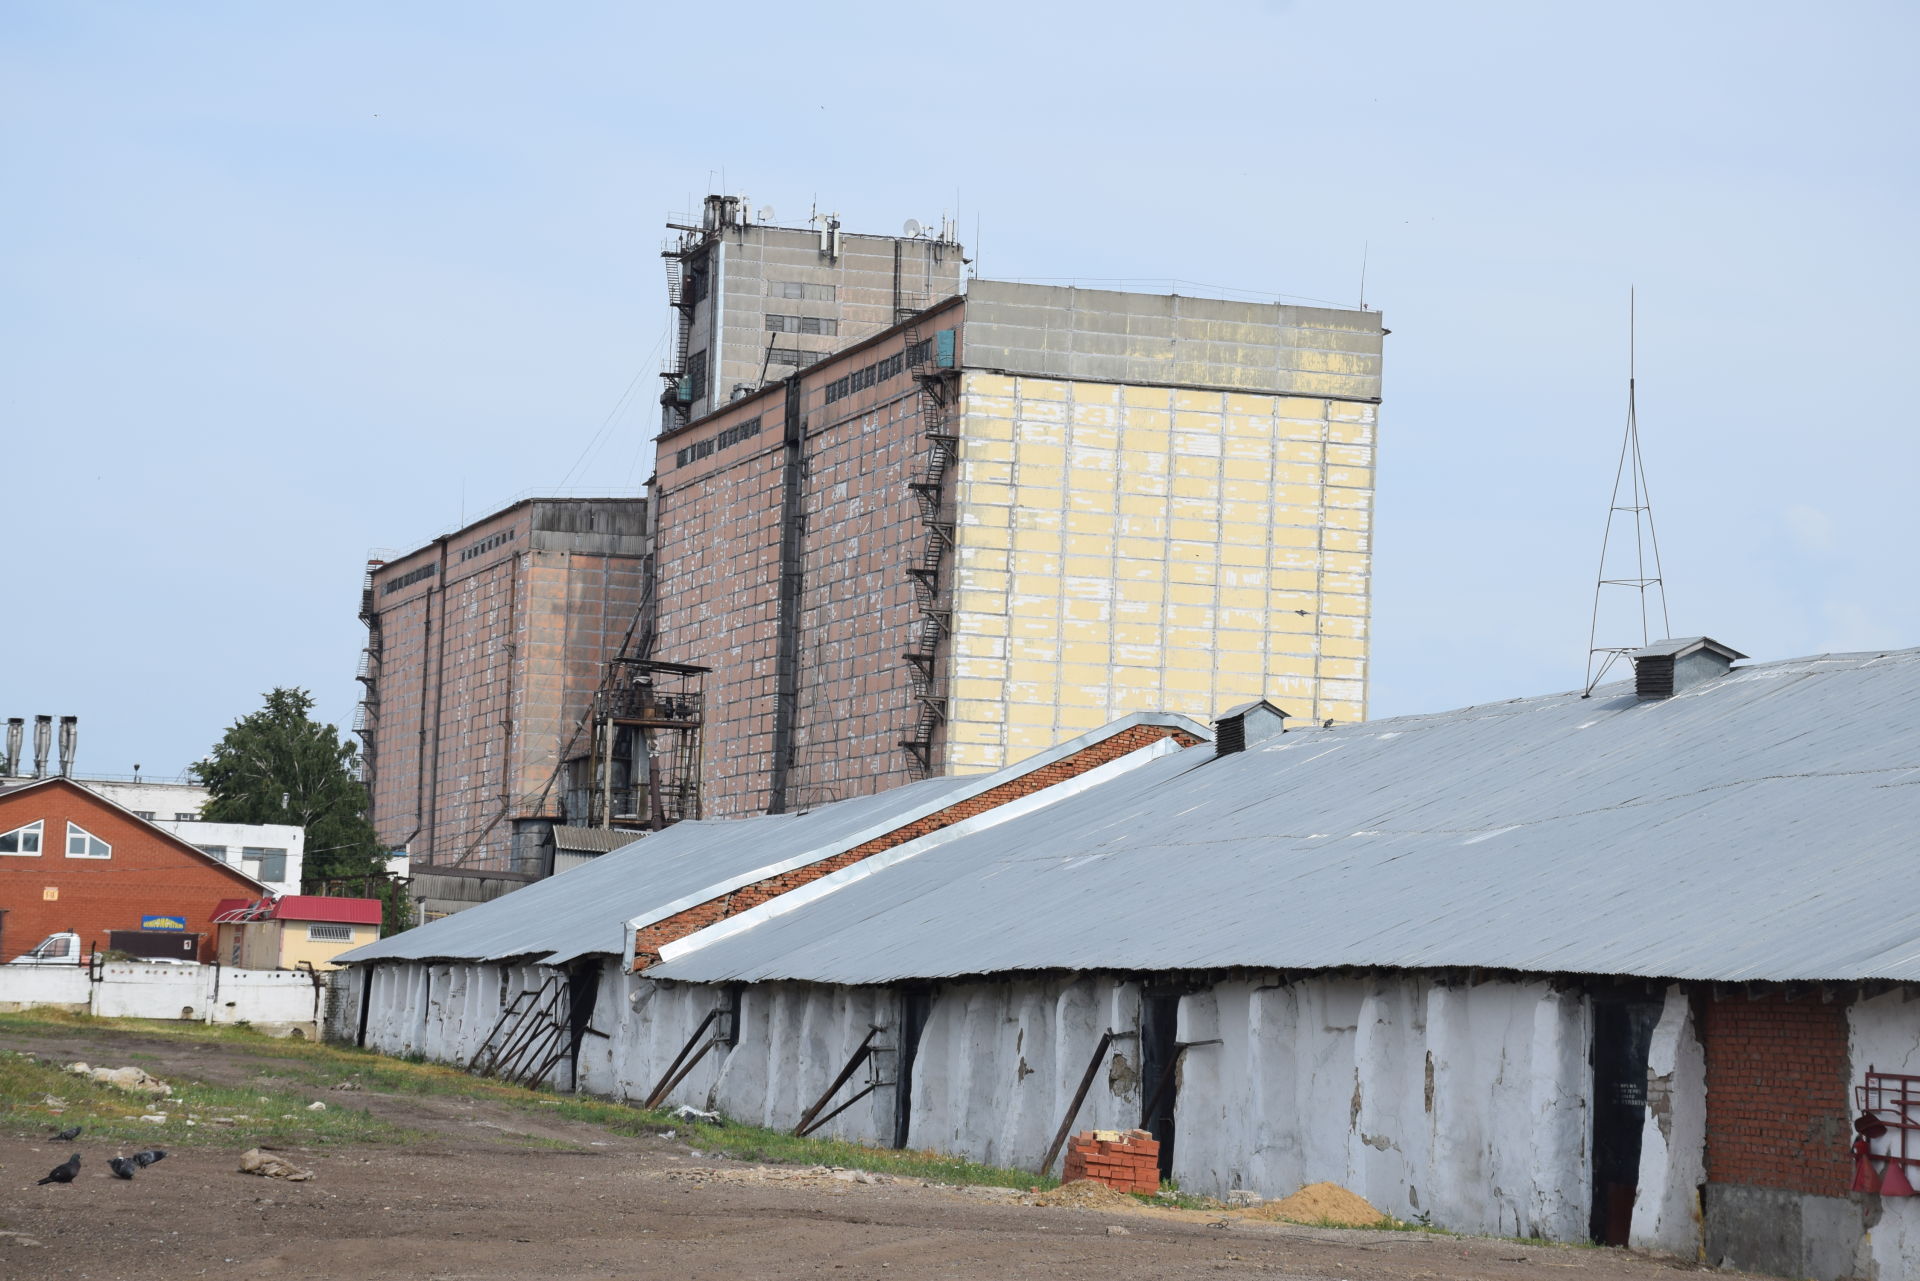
497, 1191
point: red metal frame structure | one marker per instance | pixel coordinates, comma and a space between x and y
1894, 1100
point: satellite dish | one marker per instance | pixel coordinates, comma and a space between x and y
912, 227
765, 214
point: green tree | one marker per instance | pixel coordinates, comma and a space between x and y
278, 765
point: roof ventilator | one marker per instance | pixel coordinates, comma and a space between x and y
1250, 723
1664, 668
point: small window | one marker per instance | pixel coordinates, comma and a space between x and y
146, 814
264, 864
791, 356
697, 375
186, 818
317, 933
218, 851
24, 841
57, 948
84, 844
802, 325
798, 289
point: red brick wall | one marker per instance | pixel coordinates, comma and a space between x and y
649, 941
148, 874
485, 671
1778, 1098
718, 553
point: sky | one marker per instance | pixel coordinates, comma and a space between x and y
282, 286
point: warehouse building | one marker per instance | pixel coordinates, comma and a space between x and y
1622, 968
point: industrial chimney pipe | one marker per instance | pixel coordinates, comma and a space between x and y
42, 743
16, 734
69, 738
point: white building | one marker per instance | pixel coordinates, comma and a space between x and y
156, 800
269, 852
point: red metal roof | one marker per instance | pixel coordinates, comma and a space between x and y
309, 907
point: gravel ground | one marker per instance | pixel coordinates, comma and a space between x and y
494, 1192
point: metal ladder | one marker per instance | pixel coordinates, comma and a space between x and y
929, 572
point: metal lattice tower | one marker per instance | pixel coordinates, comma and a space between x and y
1630, 498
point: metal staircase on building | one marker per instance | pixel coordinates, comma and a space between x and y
930, 572
366, 716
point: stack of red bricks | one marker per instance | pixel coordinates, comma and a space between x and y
1127, 1161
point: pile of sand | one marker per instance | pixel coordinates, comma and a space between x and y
1086, 1194
1321, 1203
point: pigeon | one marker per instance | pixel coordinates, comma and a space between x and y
67, 1135
122, 1166
147, 1158
64, 1172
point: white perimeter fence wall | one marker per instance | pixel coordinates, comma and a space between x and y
272, 999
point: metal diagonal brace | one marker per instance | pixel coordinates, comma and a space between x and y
674, 1074
1180, 1049
1080, 1095
846, 1073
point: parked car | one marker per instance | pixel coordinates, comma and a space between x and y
55, 949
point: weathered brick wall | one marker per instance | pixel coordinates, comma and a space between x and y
486, 669
857, 606
650, 940
1778, 1098
717, 548
718, 494
147, 874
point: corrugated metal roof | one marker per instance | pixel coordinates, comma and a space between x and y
1759, 825
594, 840
585, 909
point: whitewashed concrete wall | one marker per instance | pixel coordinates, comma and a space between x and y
1884, 1035
22, 987
1470, 1104
442, 1011
1673, 1143
199, 993
1467, 1103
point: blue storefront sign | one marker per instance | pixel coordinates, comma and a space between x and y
163, 923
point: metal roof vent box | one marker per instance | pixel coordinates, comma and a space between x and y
1239, 727
1664, 668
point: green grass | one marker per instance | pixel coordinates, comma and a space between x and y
36, 1094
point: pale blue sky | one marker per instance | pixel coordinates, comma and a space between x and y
281, 286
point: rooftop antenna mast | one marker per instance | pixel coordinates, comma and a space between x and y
1630, 498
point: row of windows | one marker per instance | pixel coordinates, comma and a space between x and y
802, 325
149, 815
409, 578
800, 289
792, 356
719, 440
25, 841
878, 372
486, 545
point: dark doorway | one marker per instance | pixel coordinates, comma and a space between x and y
916, 1007
583, 990
1159, 1067
1622, 1034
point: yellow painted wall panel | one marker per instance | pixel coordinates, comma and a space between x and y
1044, 389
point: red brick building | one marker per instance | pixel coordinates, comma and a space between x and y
73, 860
